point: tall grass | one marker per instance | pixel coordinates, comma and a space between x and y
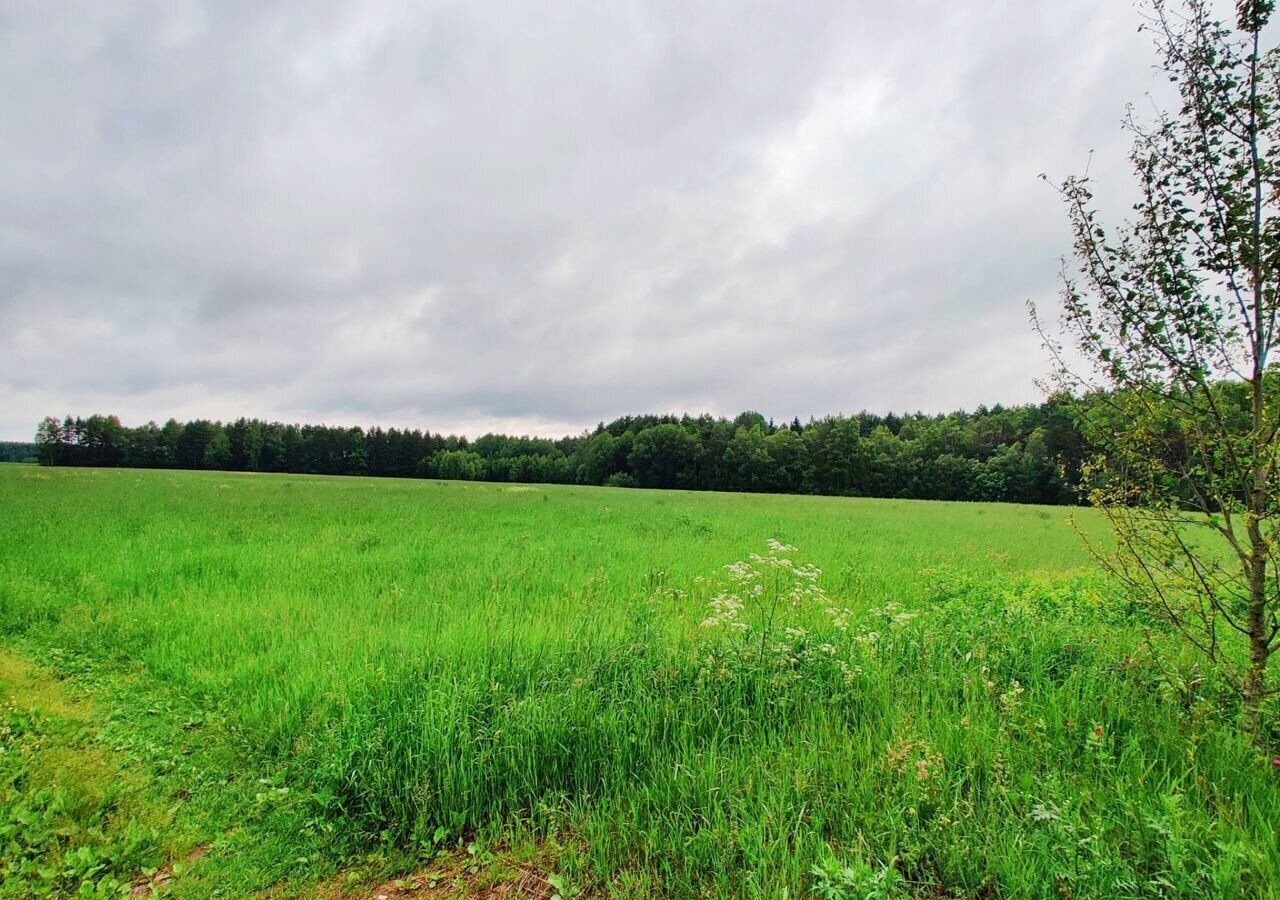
951, 700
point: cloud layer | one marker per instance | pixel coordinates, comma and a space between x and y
476, 215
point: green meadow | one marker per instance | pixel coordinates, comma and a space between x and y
223, 684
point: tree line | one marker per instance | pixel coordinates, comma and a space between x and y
1020, 454
17, 451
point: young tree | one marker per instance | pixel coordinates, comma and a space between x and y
1175, 312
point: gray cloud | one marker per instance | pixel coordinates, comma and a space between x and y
474, 215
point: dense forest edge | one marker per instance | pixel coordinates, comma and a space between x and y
17, 451
1021, 454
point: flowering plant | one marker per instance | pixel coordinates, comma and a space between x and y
771, 614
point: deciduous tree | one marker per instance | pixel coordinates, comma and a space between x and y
1175, 312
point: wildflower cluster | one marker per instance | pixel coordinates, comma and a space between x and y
772, 614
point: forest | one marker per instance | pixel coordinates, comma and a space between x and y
17, 451
1018, 454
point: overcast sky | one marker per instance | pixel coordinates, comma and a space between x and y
535, 216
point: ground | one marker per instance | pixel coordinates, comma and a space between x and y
222, 685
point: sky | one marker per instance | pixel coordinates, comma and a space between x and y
531, 217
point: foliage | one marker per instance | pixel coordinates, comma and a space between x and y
14, 451
858, 881
459, 465
1176, 312
1027, 454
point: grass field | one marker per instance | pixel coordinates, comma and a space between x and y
230, 683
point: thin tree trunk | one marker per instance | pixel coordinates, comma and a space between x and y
1254, 684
